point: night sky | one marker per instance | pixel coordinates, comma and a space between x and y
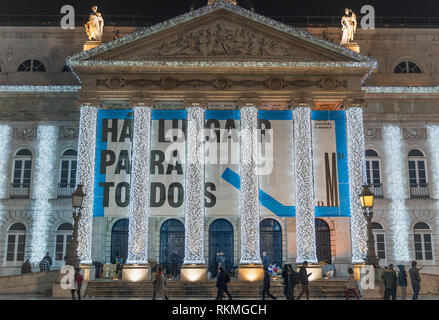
170, 8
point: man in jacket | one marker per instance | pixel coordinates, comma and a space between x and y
266, 287
26, 267
402, 281
293, 279
221, 284
415, 279
174, 262
303, 275
390, 281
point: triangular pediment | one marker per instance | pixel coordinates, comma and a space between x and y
220, 32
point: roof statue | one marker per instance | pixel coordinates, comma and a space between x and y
95, 25
349, 28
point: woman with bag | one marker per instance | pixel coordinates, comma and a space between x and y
159, 284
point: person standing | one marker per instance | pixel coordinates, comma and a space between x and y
174, 262
159, 284
26, 267
390, 282
221, 283
286, 280
266, 286
77, 283
402, 281
265, 260
293, 279
46, 263
415, 279
352, 285
303, 275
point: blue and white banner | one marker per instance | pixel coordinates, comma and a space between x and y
222, 181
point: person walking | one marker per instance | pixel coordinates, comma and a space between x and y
26, 267
286, 280
221, 283
390, 282
402, 281
303, 275
77, 283
159, 284
293, 279
352, 285
265, 260
266, 286
415, 278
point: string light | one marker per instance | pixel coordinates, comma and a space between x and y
394, 151
140, 187
305, 210
85, 177
432, 139
401, 89
249, 192
43, 188
357, 178
194, 188
5, 133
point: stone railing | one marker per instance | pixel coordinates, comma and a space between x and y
37, 282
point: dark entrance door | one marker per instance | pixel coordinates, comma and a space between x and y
271, 240
221, 240
119, 240
323, 241
171, 240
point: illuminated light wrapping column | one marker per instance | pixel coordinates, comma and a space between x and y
305, 209
6, 134
137, 267
395, 171
249, 191
194, 268
47, 137
85, 177
432, 139
357, 178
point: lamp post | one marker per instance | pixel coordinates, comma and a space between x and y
367, 198
72, 258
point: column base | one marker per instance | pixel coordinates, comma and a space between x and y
136, 272
313, 268
88, 272
91, 44
357, 270
193, 272
251, 272
352, 46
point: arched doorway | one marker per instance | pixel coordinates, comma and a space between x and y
119, 240
323, 241
171, 240
221, 240
271, 240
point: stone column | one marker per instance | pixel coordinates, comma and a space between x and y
137, 268
250, 268
194, 265
304, 184
357, 178
85, 176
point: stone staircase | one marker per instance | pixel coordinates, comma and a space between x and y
334, 288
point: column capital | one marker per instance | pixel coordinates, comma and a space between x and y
94, 102
142, 102
249, 102
354, 102
195, 102
297, 102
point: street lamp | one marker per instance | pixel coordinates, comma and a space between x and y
366, 199
72, 258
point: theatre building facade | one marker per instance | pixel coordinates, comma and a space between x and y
219, 131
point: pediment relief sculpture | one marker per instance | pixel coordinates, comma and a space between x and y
221, 40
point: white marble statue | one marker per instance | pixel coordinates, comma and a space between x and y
95, 25
349, 26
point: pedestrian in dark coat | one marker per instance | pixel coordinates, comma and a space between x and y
303, 275
293, 279
221, 284
286, 280
266, 287
415, 279
77, 283
390, 282
402, 281
174, 262
26, 267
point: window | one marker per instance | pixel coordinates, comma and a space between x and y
31, 65
380, 240
63, 239
407, 67
68, 173
418, 174
373, 174
422, 240
21, 175
16, 243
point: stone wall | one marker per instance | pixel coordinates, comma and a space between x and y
38, 282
